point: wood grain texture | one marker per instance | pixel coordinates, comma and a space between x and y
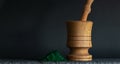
79, 40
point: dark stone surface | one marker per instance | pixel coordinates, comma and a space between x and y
95, 61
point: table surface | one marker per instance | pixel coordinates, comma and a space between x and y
94, 61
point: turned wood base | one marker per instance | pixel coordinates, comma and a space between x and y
80, 58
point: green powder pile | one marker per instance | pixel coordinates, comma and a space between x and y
54, 56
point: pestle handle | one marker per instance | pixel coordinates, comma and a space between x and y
87, 10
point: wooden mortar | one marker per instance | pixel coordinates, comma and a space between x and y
79, 40
79, 36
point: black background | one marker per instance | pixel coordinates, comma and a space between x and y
29, 29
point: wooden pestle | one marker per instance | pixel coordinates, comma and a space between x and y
79, 36
87, 10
